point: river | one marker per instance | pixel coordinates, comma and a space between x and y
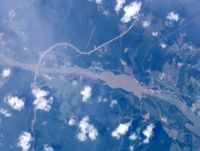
120, 81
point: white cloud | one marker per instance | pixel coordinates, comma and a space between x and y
71, 122
121, 130
98, 1
119, 5
131, 11
12, 14
25, 141
133, 137
6, 73
47, 148
5, 112
145, 24
86, 130
148, 132
100, 99
41, 103
172, 16
86, 93
39, 93
154, 34
163, 45
113, 102
14, 102
131, 148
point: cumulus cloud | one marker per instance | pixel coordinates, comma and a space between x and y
40, 102
47, 148
172, 16
154, 34
131, 148
86, 93
146, 24
71, 122
133, 137
14, 102
25, 141
122, 129
5, 112
131, 11
43, 104
119, 5
39, 93
148, 132
163, 45
99, 1
6, 73
86, 130
113, 102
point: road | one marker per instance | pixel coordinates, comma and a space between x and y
77, 50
